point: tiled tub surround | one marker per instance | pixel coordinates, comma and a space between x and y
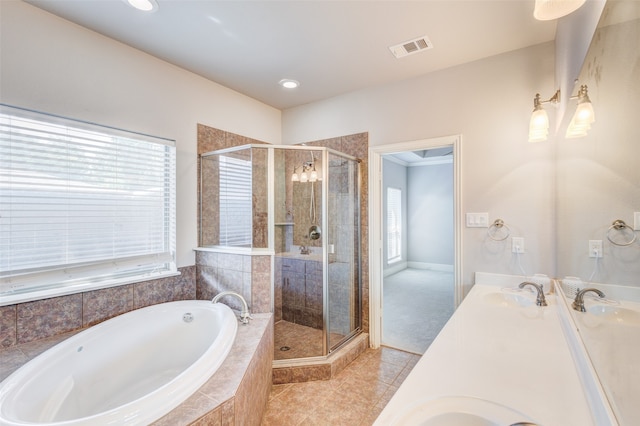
236, 394
245, 274
496, 352
40, 319
239, 391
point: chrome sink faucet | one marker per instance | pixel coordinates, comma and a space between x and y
540, 300
245, 316
578, 303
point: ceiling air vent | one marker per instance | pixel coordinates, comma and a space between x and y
410, 47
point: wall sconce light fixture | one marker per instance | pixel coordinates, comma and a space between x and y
539, 123
583, 117
580, 122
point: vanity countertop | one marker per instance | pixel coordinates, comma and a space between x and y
493, 349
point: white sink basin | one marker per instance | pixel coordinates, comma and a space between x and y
460, 410
615, 314
511, 300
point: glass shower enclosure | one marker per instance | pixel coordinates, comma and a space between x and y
301, 205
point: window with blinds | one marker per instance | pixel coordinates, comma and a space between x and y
394, 224
81, 206
235, 201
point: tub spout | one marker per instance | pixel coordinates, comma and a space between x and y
245, 315
578, 303
540, 300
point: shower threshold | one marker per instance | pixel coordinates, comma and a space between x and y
296, 370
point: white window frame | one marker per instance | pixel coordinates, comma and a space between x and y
394, 225
82, 206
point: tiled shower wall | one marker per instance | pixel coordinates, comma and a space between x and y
299, 288
26, 322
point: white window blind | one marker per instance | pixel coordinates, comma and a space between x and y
394, 224
82, 204
235, 202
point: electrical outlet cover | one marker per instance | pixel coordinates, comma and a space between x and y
595, 248
517, 245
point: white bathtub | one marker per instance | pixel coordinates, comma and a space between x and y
129, 370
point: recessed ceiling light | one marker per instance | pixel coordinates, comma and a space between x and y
288, 83
144, 5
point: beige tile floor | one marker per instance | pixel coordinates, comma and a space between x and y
355, 397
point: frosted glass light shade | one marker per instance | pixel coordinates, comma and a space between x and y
581, 120
576, 131
546, 10
538, 126
584, 113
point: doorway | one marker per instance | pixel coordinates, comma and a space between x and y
417, 246
413, 286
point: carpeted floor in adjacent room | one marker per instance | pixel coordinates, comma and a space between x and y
416, 305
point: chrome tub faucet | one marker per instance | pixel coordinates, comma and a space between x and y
245, 316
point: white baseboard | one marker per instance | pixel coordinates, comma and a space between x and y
431, 266
394, 268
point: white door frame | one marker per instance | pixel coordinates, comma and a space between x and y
375, 220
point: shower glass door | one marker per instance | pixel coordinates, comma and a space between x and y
342, 249
317, 301
298, 246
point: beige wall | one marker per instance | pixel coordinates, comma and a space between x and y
489, 102
54, 66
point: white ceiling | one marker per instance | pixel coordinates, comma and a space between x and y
332, 47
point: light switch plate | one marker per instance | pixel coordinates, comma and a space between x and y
477, 220
636, 221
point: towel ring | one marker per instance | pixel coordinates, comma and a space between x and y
620, 225
498, 224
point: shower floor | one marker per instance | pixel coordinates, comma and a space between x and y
298, 341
